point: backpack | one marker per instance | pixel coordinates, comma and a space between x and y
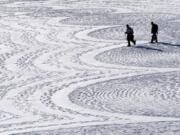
155, 28
130, 31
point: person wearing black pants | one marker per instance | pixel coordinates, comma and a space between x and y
130, 35
154, 32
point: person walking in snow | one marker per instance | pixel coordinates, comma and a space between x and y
154, 32
130, 35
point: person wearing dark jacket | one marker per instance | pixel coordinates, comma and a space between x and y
154, 32
130, 35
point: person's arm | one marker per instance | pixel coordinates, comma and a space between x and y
127, 31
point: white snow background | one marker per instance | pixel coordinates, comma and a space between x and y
65, 68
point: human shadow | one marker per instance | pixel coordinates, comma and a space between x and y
149, 48
169, 44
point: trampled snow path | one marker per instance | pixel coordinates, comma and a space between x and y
65, 68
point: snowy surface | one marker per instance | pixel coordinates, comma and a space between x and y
65, 68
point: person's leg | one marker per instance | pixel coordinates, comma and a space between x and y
133, 40
129, 44
156, 39
152, 38
129, 40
